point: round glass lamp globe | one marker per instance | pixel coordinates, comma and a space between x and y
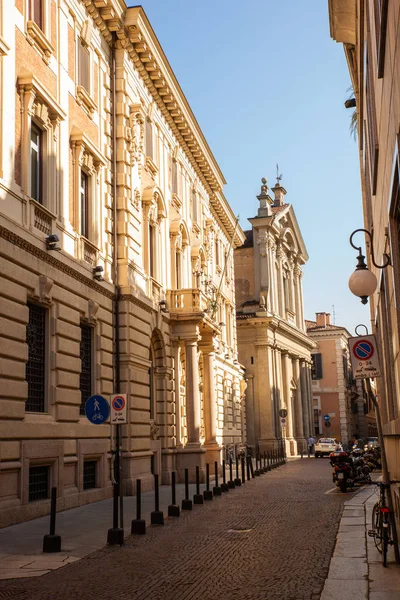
362, 283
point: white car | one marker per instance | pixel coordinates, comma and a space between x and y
325, 446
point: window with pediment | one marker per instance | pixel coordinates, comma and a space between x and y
40, 118
153, 214
179, 235
87, 163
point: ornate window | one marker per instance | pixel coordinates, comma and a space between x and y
179, 235
37, 364
40, 118
154, 212
87, 162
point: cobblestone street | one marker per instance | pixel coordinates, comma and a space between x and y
271, 539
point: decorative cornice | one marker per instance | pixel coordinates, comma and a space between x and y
49, 259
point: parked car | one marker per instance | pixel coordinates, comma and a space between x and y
325, 446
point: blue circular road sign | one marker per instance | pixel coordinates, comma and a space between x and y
97, 409
326, 417
363, 350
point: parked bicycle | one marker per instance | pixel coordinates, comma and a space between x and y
381, 526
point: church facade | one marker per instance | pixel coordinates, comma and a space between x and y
272, 342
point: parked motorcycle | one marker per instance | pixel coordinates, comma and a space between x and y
342, 475
349, 469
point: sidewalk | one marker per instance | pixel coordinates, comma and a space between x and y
356, 571
83, 530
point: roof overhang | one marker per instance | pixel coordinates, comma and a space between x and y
342, 21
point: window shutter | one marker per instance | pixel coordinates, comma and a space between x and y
316, 370
83, 71
149, 139
174, 177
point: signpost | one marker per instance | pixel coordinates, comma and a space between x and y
118, 409
97, 409
364, 357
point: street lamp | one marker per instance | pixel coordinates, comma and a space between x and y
362, 282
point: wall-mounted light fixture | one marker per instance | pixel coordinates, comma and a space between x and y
362, 282
52, 242
163, 306
98, 273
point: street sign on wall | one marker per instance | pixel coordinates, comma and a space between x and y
118, 409
364, 356
97, 409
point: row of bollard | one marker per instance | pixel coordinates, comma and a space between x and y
263, 463
244, 467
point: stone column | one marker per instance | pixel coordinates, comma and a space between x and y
250, 410
210, 399
310, 399
177, 400
288, 377
192, 393
304, 399
298, 409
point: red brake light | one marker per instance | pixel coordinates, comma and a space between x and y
384, 509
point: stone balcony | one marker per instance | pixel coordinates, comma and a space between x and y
187, 302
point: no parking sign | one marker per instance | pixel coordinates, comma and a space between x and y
118, 409
364, 357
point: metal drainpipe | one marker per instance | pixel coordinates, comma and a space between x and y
117, 367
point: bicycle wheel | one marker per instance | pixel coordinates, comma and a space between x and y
377, 526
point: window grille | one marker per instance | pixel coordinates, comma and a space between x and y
39, 480
36, 365
86, 354
89, 474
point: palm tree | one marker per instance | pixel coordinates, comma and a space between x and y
351, 103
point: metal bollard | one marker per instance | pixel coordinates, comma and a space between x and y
224, 485
260, 468
198, 498
138, 525
208, 495
251, 467
115, 535
257, 471
51, 541
265, 468
231, 483
217, 491
157, 516
243, 470
186, 503
173, 508
238, 481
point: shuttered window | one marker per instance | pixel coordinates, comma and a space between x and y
83, 66
84, 198
372, 126
174, 177
316, 369
149, 139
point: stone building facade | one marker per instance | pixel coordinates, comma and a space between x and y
369, 32
335, 392
272, 341
116, 260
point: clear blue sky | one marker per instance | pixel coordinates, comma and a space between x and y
267, 84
